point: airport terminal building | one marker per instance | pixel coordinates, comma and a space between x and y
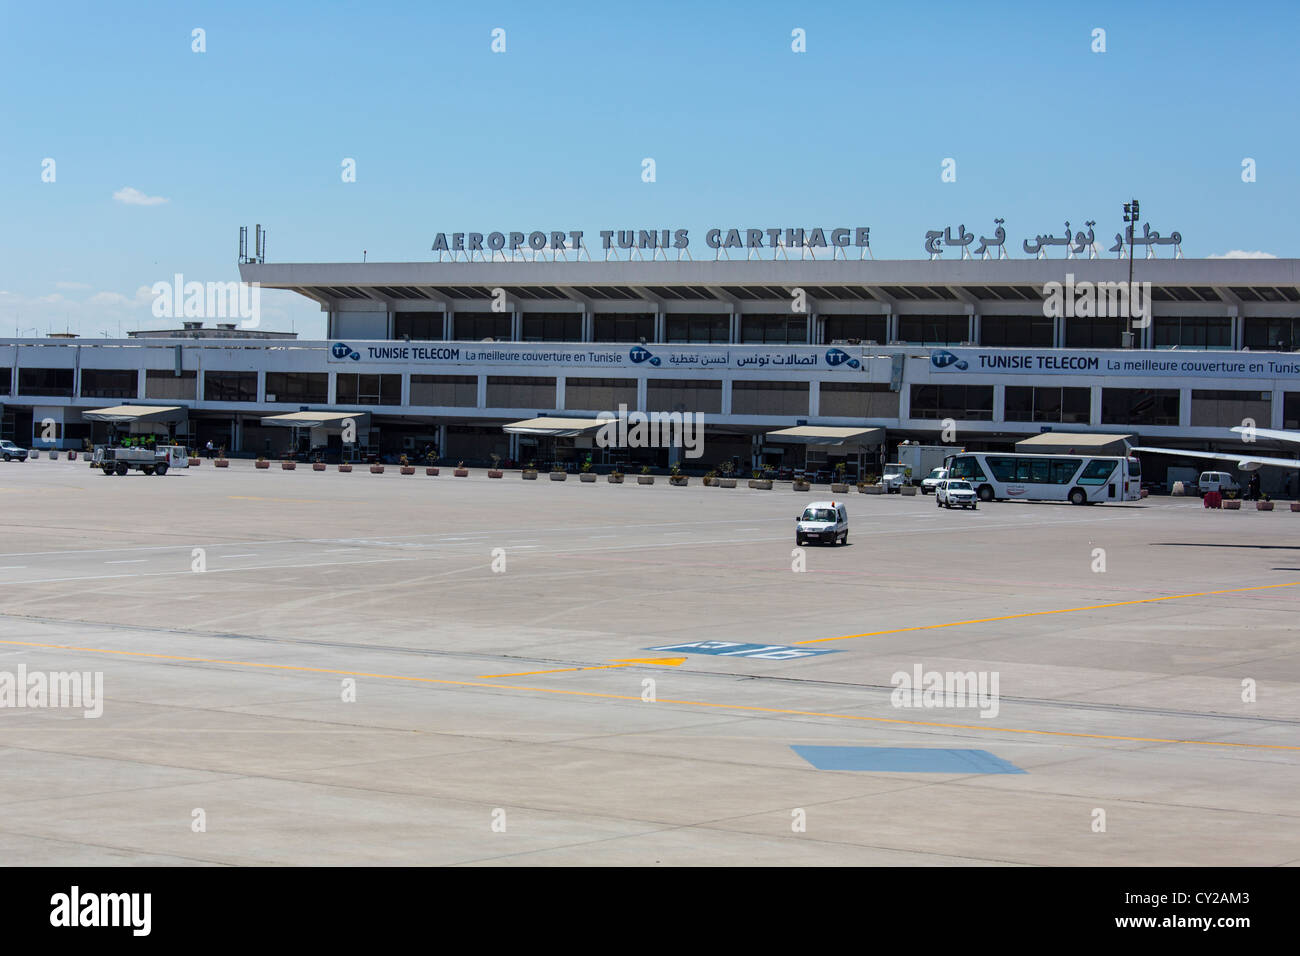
454, 353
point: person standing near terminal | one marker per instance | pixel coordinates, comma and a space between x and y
208, 448
1253, 487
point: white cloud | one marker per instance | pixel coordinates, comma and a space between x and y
131, 196
71, 285
1243, 254
108, 298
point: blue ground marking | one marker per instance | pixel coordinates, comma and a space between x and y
904, 759
766, 652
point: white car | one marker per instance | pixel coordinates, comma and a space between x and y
930, 481
822, 521
955, 492
10, 451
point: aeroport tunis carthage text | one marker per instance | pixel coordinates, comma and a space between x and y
538, 240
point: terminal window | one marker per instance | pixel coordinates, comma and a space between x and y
1291, 410
960, 402
1193, 332
230, 386
846, 328
1094, 333
684, 395
552, 327
624, 328
309, 388
773, 329
6, 380
476, 326
1272, 334
934, 329
769, 398
350, 389
599, 394
520, 391
1216, 407
1017, 331
459, 391
45, 381
159, 383
1034, 404
1139, 406
694, 328
418, 326
857, 400
109, 383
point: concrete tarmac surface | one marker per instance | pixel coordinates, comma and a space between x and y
324, 668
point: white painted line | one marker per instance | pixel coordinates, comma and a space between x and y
14, 567
335, 550
248, 555
132, 561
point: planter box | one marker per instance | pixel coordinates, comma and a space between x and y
288, 465
376, 469
587, 476
528, 475
318, 466
1263, 506
1231, 504
871, 489
801, 486
495, 473
406, 470
222, 463
194, 462
614, 479
909, 489
1295, 506
839, 489
726, 482
707, 482
261, 464
761, 484
431, 472
345, 468
645, 479
679, 481
460, 472
559, 475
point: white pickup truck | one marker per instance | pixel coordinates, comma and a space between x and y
151, 461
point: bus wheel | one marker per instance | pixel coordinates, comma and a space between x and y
1077, 497
986, 493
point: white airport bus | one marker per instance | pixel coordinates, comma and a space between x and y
1078, 479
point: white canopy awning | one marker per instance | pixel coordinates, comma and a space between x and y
317, 419
827, 435
556, 427
123, 414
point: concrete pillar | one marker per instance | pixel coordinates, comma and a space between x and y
516, 326
661, 330
641, 389
449, 324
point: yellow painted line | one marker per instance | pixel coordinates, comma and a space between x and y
747, 708
623, 662
1065, 610
301, 501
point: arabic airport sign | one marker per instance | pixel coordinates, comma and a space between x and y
1074, 244
409, 355
1167, 365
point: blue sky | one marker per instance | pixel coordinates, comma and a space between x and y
448, 136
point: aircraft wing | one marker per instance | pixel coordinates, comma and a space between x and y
1272, 433
1244, 462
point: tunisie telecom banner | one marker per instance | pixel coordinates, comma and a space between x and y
1149, 365
408, 355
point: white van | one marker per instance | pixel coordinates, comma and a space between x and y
1219, 481
823, 521
931, 481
